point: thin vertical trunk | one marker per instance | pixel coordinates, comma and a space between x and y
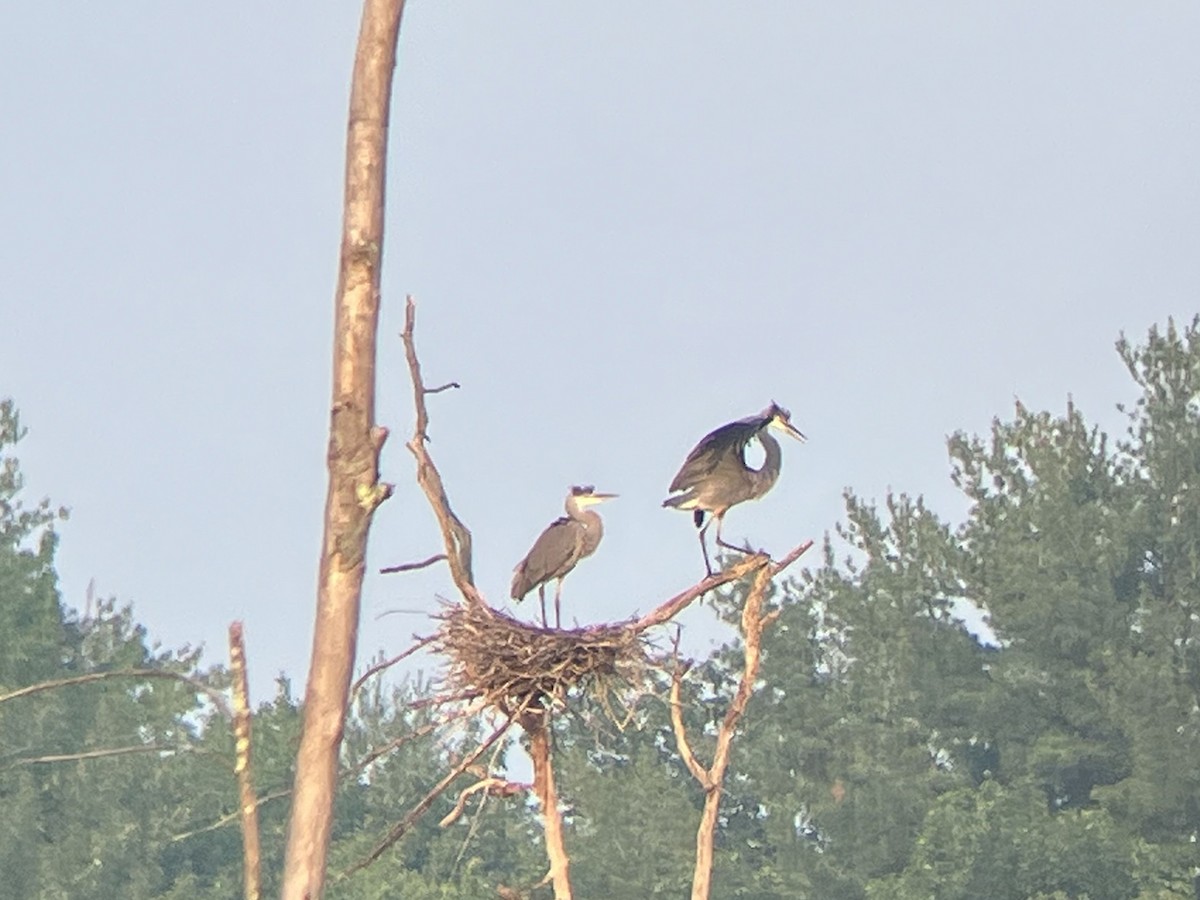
543, 786
705, 836
247, 800
353, 457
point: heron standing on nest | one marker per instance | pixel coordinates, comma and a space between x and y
715, 476
560, 548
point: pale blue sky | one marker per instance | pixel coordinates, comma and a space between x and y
625, 225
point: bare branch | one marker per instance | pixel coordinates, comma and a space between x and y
388, 663
426, 729
232, 817
792, 555
671, 608
412, 567
478, 816
247, 801
346, 773
681, 740
494, 787
399, 829
445, 387
92, 754
442, 699
218, 699
712, 779
455, 536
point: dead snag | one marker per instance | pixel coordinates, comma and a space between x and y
247, 801
537, 726
353, 458
455, 535
712, 779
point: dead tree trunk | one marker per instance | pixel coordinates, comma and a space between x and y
353, 458
247, 800
537, 726
712, 779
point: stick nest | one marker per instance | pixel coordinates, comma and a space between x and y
514, 665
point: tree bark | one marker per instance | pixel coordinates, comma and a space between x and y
247, 800
753, 623
354, 490
712, 779
537, 726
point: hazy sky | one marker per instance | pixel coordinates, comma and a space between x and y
625, 224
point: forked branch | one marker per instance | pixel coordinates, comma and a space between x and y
455, 535
712, 779
401, 828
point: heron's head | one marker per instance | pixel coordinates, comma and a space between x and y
779, 418
584, 496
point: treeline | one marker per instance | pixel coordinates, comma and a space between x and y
888, 753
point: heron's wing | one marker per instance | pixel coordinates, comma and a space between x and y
552, 555
716, 447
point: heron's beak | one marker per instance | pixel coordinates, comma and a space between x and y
789, 429
590, 499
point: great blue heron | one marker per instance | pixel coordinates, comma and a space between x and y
560, 547
715, 476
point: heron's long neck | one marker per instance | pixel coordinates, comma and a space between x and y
583, 516
593, 528
595, 525
769, 472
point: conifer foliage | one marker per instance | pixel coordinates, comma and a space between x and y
896, 747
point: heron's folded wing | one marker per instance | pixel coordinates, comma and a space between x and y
552, 552
713, 449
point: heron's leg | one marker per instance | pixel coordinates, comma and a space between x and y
704, 546
542, 598
557, 605
720, 520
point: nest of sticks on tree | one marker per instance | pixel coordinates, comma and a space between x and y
516, 666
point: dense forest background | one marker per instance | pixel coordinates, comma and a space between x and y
888, 753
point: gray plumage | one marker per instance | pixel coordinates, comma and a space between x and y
715, 476
559, 549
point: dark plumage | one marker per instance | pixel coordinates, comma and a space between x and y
560, 547
715, 476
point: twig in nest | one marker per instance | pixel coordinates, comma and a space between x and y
511, 663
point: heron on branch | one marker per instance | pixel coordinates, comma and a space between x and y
559, 549
715, 475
